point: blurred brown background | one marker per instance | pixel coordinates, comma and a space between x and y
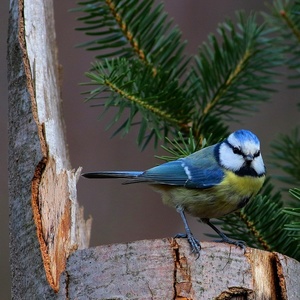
126, 213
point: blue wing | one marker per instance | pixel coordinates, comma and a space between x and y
198, 170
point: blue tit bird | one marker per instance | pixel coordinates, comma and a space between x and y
210, 183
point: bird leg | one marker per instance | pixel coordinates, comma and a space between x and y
194, 243
224, 237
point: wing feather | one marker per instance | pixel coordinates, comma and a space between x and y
198, 170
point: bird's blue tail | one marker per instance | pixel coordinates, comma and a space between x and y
113, 174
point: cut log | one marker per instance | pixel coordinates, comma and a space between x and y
165, 269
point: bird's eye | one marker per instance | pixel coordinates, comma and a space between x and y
236, 150
257, 154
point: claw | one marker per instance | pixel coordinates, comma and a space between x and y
224, 238
180, 236
239, 243
194, 243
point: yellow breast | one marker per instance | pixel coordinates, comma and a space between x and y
244, 186
230, 195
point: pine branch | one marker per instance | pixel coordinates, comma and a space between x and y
286, 156
133, 86
149, 81
182, 146
285, 20
232, 79
134, 29
228, 79
293, 227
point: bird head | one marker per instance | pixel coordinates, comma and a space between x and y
240, 153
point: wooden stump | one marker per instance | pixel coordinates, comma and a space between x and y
165, 269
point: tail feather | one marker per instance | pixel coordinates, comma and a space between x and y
113, 174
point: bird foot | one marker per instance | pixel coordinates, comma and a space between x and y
194, 243
239, 243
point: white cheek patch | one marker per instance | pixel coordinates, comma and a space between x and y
230, 160
258, 165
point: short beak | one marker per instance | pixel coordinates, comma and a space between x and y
248, 158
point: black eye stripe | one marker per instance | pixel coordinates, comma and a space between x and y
235, 150
238, 151
257, 154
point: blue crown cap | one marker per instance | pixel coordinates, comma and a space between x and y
246, 135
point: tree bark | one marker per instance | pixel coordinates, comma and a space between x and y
48, 235
46, 223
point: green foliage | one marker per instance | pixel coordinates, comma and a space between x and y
286, 156
133, 29
159, 88
143, 75
132, 86
182, 146
232, 78
285, 19
147, 54
286, 148
294, 226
